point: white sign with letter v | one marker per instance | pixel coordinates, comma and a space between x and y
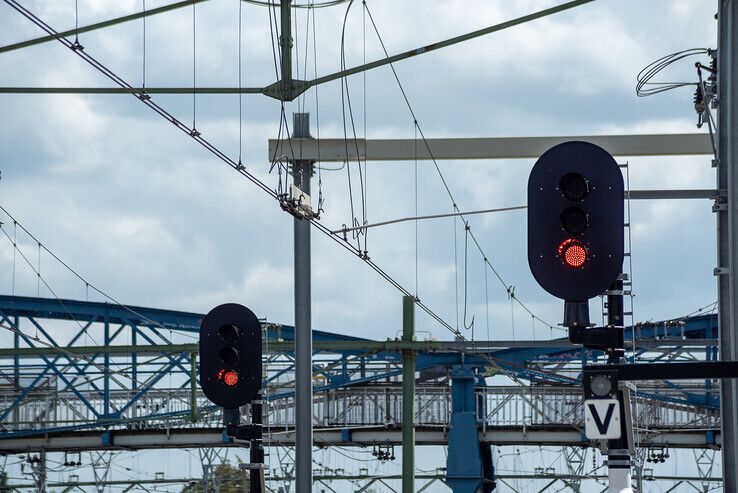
602, 419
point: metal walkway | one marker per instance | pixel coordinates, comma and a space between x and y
84, 369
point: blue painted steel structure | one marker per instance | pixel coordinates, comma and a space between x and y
465, 467
69, 324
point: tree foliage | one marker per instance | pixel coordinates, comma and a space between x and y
229, 477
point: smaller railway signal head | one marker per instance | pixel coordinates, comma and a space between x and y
230, 355
575, 220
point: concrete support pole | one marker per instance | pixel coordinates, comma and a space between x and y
408, 396
302, 171
727, 223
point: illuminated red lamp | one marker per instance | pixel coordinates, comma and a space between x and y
573, 253
228, 377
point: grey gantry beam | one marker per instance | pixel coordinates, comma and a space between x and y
360, 436
340, 150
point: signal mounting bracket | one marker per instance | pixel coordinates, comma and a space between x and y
608, 339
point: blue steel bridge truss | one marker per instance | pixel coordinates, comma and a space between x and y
113, 358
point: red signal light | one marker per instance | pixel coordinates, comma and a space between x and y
573, 253
228, 377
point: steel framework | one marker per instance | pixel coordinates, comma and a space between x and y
96, 376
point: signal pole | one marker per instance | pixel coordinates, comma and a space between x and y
727, 225
302, 171
619, 466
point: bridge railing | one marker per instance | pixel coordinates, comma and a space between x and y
357, 406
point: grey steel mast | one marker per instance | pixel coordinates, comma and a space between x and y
301, 171
727, 223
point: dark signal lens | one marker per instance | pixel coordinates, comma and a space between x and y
574, 220
573, 253
229, 333
574, 187
228, 355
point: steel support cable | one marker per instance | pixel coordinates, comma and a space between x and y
210, 147
214, 150
308, 5
283, 124
330, 77
456, 331
344, 80
443, 179
240, 96
317, 115
41, 278
345, 96
100, 25
81, 278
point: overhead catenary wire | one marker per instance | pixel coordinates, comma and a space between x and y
194, 67
75, 273
240, 95
441, 176
317, 115
41, 279
240, 169
143, 48
430, 216
310, 4
346, 102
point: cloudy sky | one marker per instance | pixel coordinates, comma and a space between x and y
147, 215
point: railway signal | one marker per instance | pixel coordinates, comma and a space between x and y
230, 355
575, 221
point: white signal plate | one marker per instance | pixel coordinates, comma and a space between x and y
602, 419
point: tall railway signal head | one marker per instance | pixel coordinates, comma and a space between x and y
575, 221
230, 355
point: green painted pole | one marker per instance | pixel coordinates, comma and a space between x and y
408, 396
193, 386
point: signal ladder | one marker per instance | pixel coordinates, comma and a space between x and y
628, 319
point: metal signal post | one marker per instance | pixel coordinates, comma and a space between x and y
231, 376
230, 356
575, 252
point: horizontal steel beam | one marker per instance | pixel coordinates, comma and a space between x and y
135, 90
100, 25
702, 193
669, 371
361, 437
339, 150
370, 346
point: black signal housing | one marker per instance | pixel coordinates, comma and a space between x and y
575, 221
230, 355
